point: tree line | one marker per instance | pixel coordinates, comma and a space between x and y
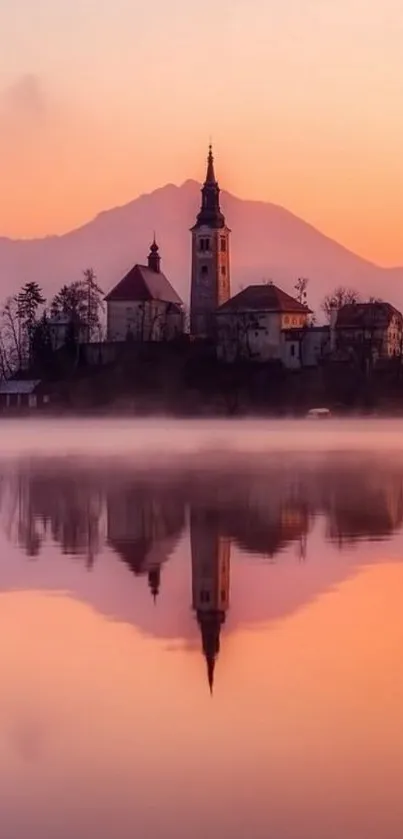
27, 321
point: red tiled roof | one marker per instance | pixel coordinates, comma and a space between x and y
264, 298
141, 284
366, 315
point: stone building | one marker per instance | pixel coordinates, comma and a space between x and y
210, 281
258, 324
144, 306
370, 331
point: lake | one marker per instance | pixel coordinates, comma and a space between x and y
202, 629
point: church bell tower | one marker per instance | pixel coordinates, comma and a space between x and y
210, 285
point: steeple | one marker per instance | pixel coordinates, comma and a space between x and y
210, 176
154, 259
210, 626
210, 280
210, 213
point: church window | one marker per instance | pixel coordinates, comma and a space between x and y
205, 597
223, 597
292, 349
223, 270
223, 245
207, 244
202, 244
204, 269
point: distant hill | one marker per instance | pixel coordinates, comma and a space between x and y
268, 242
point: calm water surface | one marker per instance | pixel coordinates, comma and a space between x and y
202, 630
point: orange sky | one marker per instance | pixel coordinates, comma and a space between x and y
303, 104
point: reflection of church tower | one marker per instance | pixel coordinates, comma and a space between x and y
154, 581
210, 285
210, 582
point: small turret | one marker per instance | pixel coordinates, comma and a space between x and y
154, 259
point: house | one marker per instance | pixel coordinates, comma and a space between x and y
369, 330
144, 306
23, 393
251, 326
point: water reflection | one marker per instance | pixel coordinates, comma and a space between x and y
255, 509
141, 517
127, 596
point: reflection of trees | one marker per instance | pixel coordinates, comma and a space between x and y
367, 505
65, 506
266, 510
262, 508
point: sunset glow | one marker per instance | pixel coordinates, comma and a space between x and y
101, 102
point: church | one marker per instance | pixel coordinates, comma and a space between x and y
144, 305
261, 323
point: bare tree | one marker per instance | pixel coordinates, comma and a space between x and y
13, 339
301, 287
341, 296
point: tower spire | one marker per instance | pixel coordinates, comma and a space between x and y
210, 176
210, 214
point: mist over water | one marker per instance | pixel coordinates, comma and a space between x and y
201, 625
153, 439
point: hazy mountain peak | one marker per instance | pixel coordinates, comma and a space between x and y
268, 241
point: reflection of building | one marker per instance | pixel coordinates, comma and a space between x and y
369, 507
269, 529
143, 524
210, 581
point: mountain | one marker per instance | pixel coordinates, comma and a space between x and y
268, 242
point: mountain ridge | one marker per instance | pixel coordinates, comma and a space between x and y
268, 242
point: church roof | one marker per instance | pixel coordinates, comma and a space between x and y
376, 314
141, 284
210, 214
264, 298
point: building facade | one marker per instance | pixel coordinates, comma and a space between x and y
251, 326
369, 331
144, 306
210, 279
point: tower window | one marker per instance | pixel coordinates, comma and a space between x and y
205, 597
223, 271
207, 244
223, 245
201, 244
204, 269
